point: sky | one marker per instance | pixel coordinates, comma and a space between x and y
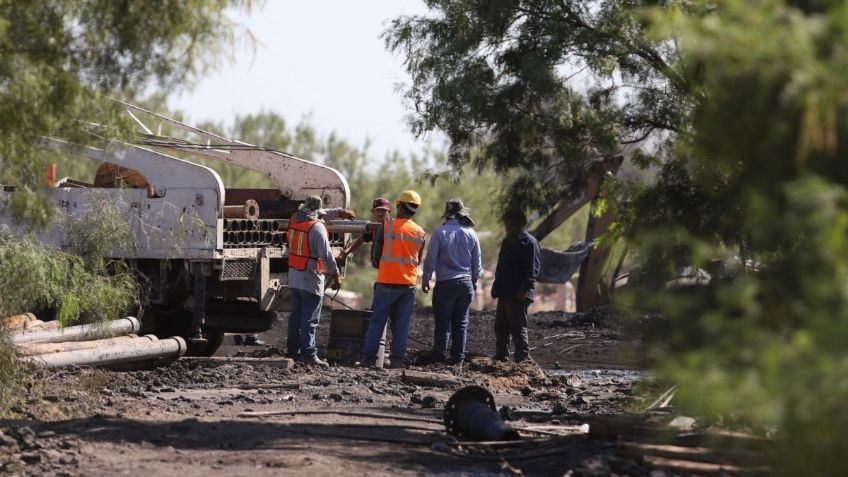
322, 59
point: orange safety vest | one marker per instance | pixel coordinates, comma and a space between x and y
298, 237
403, 239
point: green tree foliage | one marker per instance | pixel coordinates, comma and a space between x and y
743, 105
56, 60
57, 56
757, 197
498, 77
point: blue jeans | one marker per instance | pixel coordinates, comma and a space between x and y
389, 298
451, 300
303, 320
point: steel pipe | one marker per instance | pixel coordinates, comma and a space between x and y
30, 349
249, 210
138, 349
470, 414
340, 226
122, 326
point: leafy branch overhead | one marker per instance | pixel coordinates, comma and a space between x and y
55, 57
540, 87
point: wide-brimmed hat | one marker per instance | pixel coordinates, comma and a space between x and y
312, 206
456, 209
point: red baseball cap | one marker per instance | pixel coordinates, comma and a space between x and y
381, 203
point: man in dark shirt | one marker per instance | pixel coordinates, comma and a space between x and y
380, 209
514, 287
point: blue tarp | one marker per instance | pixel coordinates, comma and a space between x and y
558, 267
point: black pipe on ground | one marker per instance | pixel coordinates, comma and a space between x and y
471, 414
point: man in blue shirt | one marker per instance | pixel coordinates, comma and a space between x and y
454, 254
515, 280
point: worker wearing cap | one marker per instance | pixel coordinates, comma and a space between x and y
454, 255
401, 245
310, 260
380, 209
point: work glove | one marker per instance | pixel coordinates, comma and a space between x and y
425, 287
341, 261
335, 282
347, 214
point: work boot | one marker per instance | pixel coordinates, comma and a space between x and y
397, 364
237, 339
368, 363
316, 361
500, 357
252, 340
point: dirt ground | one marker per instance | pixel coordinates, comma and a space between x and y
186, 419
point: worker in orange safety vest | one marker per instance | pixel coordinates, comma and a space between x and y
401, 242
310, 260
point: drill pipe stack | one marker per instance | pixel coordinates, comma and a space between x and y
137, 349
99, 344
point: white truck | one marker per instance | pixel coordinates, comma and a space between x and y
214, 258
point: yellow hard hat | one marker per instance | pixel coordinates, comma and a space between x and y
410, 197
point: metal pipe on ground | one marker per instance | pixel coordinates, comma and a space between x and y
470, 414
31, 349
122, 326
138, 349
